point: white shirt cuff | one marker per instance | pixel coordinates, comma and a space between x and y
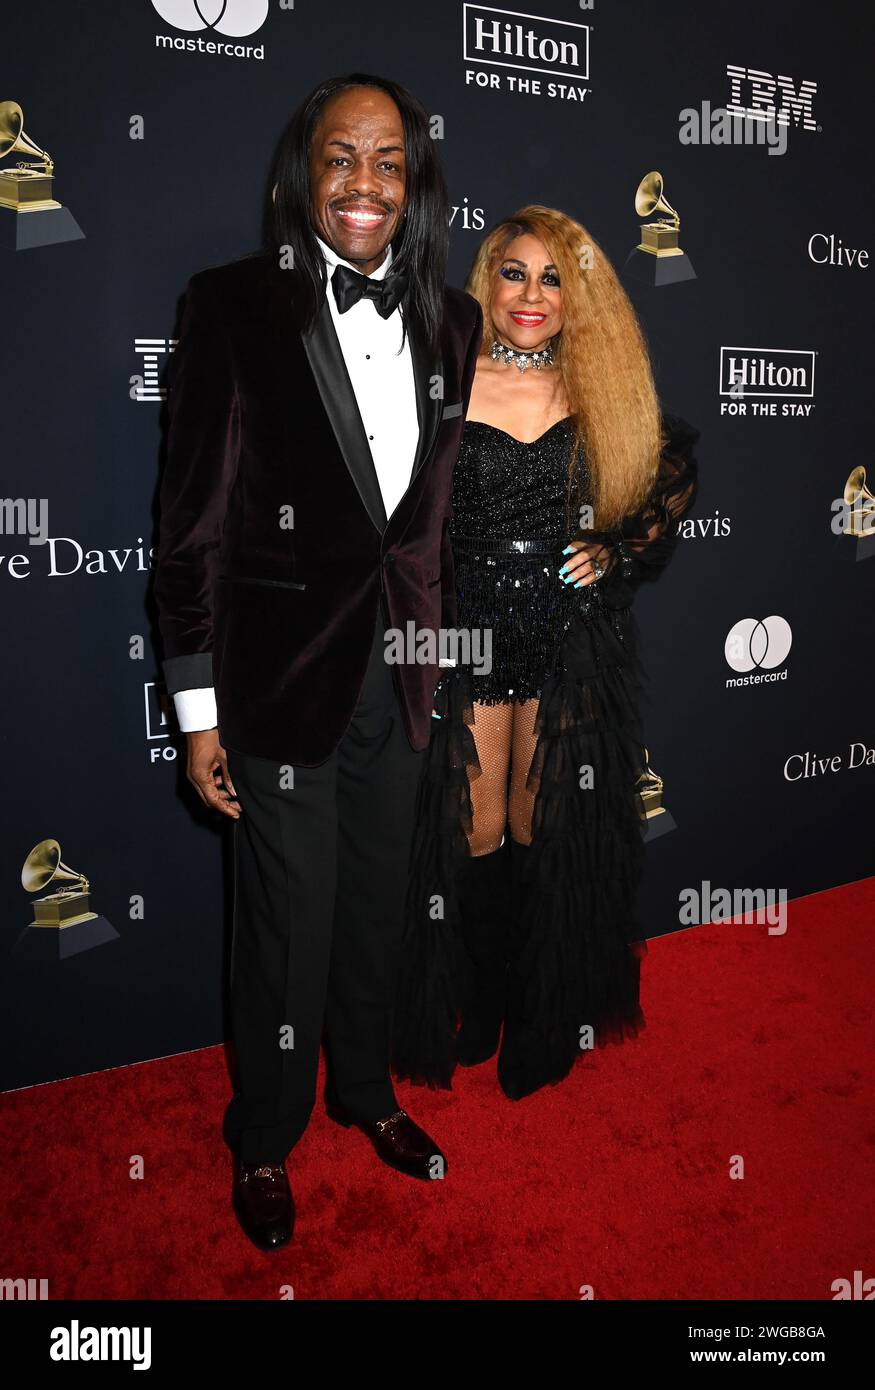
196, 709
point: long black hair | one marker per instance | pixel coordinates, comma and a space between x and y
421, 243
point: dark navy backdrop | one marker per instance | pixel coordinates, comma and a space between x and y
82, 764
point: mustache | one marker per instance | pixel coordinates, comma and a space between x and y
345, 203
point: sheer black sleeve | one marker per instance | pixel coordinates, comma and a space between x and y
642, 545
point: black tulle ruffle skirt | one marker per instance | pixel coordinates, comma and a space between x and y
576, 942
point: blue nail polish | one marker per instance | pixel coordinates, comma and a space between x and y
579, 584
435, 716
564, 568
569, 579
569, 550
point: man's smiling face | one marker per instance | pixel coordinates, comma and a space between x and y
358, 175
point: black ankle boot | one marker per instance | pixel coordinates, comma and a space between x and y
484, 901
514, 1061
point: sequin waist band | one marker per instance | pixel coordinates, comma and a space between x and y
497, 545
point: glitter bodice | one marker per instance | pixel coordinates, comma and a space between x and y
505, 491
503, 487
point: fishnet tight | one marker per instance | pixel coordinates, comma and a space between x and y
505, 739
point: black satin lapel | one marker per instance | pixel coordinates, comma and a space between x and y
426, 369
322, 350
322, 347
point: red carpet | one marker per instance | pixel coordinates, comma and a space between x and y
756, 1046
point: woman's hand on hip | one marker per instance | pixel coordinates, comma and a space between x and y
586, 563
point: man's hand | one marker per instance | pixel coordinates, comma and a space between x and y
206, 756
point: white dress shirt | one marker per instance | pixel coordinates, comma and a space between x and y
382, 379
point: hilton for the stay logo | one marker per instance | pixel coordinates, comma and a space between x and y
527, 54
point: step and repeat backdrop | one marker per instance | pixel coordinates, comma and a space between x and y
136, 140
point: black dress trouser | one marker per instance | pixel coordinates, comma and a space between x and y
320, 873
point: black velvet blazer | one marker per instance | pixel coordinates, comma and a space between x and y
274, 548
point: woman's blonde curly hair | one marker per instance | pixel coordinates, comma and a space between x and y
600, 352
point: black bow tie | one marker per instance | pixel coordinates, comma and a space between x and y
349, 287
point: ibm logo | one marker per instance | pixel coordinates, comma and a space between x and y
151, 350
771, 98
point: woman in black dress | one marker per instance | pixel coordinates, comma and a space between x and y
528, 849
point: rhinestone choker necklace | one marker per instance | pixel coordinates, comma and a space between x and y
522, 359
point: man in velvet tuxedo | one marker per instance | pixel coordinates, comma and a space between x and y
316, 405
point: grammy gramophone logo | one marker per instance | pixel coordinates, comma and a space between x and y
30, 215
651, 788
857, 517
66, 910
658, 259
67, 904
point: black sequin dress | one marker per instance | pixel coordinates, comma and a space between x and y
578, 942
512, 515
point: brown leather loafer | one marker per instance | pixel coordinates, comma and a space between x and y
263, 1203
399, 1142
